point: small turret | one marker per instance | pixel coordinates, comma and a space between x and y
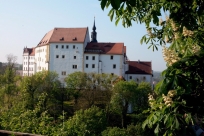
94, 33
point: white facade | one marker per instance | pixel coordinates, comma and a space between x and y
104, 63
139, 78
28, 62
41, 58
66, 58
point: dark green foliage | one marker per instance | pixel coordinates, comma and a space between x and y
115, 131
89, 122
20, 119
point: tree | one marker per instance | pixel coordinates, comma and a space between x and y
20, 119
90, 86
183, 31
140, 101
11, 60
123, 95
89, 122
98, 88
8, 82
75, 82
115, 131
42, 82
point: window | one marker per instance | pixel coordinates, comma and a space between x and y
93, 65
87, 57
87, 65
112, 74
93, 57
64, 73
63, 56
74, 66
62, 46
114, 65
73, 46
57, 56
67, 46
111, 57
56, 46
130, 77
74, 57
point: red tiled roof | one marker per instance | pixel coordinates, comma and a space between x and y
64, 35
105, 48
30, 51
139, 67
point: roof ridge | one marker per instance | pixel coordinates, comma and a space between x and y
68, 27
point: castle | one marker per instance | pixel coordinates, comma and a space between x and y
67, 50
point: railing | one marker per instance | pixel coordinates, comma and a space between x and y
11, 133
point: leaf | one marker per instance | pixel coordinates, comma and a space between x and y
111, 14
132, 3
141, 41
116, 22
115, 4
167, 116
177, 123
129, 8
145, 123
156, 129
103, 4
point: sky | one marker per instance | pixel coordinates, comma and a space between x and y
24, 23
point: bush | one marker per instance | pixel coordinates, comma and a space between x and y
89, 122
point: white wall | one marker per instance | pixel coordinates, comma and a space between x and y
139, 78
105, 65
41, 58
28, 65
65, 64
91, 62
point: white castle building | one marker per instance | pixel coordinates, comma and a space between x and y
67, 50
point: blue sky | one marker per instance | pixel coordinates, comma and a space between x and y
24, 23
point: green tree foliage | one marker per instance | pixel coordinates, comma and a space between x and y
75, 82
42, 82
89, 122
140, 101
8, 87
115, 131
123, 95
33, 121
90, 86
